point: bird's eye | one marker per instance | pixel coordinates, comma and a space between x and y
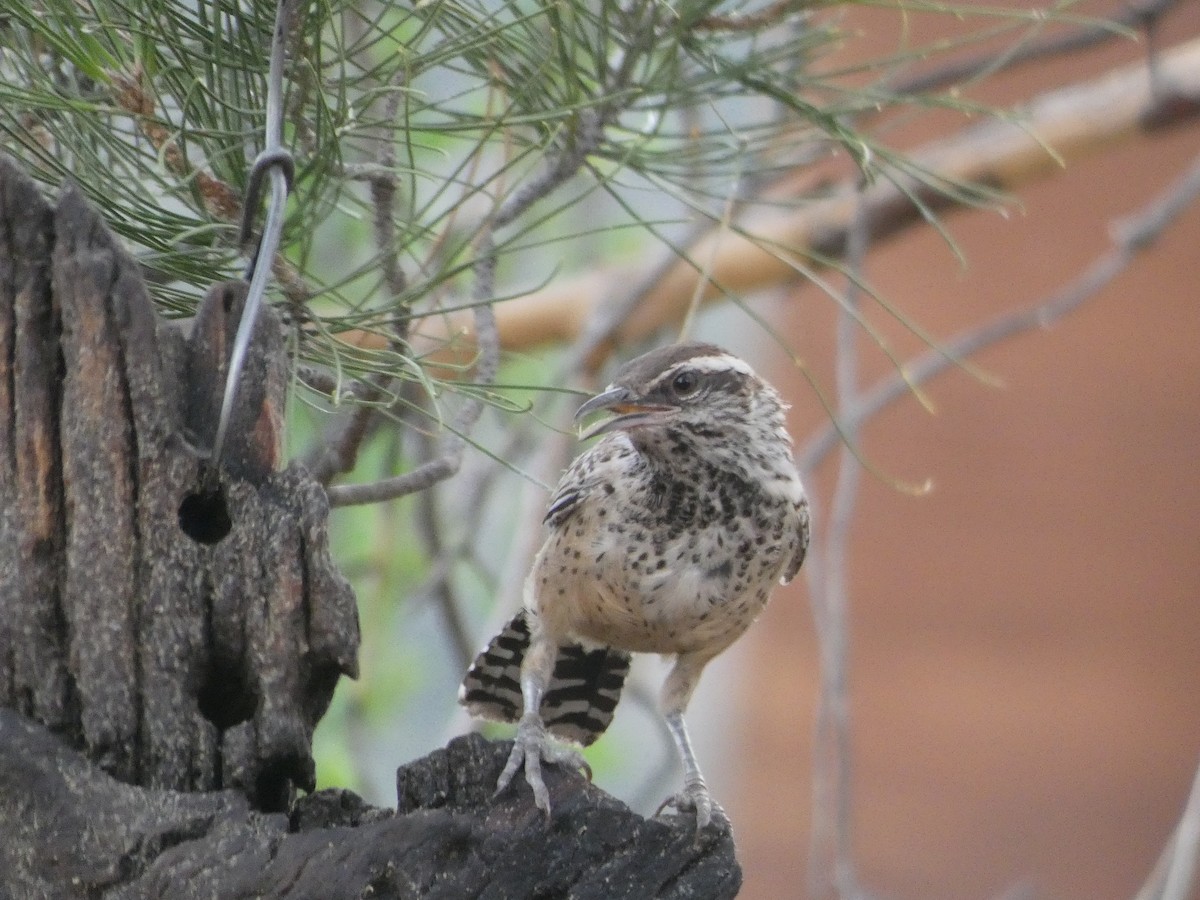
685, 383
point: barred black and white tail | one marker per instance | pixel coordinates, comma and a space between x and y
579, 701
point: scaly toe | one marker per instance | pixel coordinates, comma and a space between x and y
693, 798
531, 747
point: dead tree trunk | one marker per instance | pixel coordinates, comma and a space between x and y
182, 638
170, 636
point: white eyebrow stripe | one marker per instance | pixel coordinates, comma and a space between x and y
721, 363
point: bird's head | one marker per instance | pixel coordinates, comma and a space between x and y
693, 388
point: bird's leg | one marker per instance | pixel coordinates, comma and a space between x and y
695, 793
677, 691
533, 743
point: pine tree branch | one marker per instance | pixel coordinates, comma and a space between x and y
1141, 14
1037, 141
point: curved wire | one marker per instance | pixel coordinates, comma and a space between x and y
276, 162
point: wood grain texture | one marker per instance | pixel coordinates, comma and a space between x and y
172, 661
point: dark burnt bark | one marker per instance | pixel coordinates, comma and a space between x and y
449, 839
171, 632
190, 658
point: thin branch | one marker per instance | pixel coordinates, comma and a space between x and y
1174, 874
1137, 14
339, 453
1076, 121
831, 860
419, 479
453, 442
382, 183
831, 872
133, 94
1130, 238
584, 139
324, 382
589, 131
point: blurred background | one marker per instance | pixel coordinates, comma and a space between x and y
988, 676
1025, 638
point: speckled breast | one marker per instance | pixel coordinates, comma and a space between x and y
691, 568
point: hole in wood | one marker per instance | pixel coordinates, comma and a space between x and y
273, 788
204, 517
224, 699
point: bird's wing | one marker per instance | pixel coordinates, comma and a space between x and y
582, 477
566, 500
803, 527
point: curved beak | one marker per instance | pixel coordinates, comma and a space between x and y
629, 413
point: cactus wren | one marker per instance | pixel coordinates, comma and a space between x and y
665, 537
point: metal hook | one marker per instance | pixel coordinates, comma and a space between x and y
276, 163
275, 157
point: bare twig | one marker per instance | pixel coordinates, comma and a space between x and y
585, 138
831, 871
301, 78
132, 93
453, 443
419, 479
382, 182
339, 453
323, 382
1174, 874
1131, 237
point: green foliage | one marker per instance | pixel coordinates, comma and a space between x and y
155, 108
431, 138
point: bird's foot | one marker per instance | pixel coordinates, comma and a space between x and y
696, 798
531, 747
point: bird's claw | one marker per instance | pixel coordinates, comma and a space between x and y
531, 747
694, 797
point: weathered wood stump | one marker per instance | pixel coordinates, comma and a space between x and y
71, 831
171, 632
175, 657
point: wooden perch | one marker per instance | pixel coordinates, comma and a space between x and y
171, 633
1040, 138
448, 839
